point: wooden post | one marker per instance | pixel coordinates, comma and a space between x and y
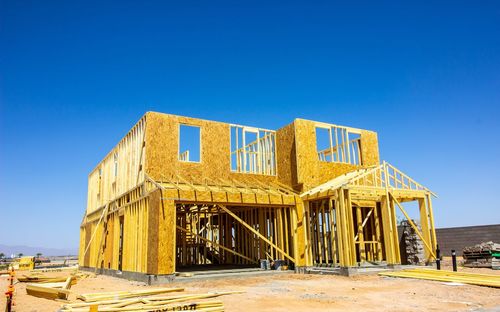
323, 228
387, 229
350, 226
424, 223
394, 223
377, 233
361, 240
431, 223
333, 233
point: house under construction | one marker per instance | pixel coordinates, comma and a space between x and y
181, 193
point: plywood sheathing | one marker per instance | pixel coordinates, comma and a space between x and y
166, 237
287, 156
311, 171
153, 230
162, 144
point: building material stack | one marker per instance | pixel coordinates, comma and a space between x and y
411, 246
484, 255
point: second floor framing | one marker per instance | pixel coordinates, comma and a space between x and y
167, 147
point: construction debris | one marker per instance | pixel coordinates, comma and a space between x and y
448, 276
147, 300
58, 290
484, 255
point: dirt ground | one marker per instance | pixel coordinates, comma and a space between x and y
296, 292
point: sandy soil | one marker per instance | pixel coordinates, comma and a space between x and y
294, 292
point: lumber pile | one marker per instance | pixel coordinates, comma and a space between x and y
147, 300
484, 255
448, 276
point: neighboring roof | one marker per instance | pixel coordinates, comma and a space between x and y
382, 176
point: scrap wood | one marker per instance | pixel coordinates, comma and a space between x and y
125, 294
50, 290
448, 276
47, 292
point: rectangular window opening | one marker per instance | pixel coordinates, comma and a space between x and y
253, 150
189, 143
338, 144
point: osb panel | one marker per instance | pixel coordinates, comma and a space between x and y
311, 171
286, 155
219, 197
152, 257
108, 243
233, 197
166, 237
369, 148
276, 198
162, 146
299, 235
88, 234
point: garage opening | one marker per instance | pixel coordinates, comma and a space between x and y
221, 237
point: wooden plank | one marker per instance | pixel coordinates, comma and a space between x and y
323, 227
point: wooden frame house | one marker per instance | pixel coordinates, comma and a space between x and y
178, 193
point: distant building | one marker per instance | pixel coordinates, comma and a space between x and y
457, 238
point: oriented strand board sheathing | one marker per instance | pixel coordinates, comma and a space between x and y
153, 221
311, 171
286, 155
166, 238
162, 144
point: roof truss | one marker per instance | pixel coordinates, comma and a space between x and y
383, 176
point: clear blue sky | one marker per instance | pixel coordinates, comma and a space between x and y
76, 75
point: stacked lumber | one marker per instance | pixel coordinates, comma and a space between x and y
448, 276
147, 300
411, 246
482, 255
